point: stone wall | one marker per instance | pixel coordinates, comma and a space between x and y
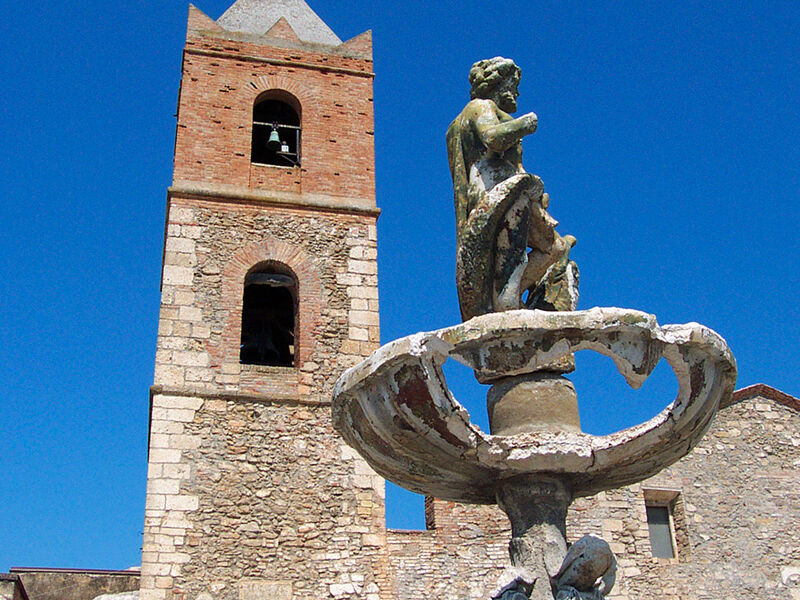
209, 249
10, 587
250, 492
461, 555
735, 504
269, 496
738, 508
69, 584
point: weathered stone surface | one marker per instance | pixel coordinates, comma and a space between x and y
395, 407
514, 581
588, 572
257, 589
68, 584
541, 401
10, 587
536, 506
735, 502
507, 243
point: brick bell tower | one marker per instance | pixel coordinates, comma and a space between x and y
269, 291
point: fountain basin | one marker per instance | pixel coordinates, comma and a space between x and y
395, 407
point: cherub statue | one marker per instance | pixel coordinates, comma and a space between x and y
507, 243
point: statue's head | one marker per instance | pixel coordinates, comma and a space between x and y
496, 79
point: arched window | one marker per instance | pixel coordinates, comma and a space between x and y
269, 314
276, 130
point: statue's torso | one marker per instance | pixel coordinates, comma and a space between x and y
486, 168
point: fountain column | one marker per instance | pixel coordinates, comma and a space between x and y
537, 508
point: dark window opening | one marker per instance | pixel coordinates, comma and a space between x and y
276, 133
268, 320
659, 524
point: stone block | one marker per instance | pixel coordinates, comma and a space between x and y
351, 279
161, 455
159, 440
359, 333
173, 414
351, 347
163, 426
191, 231
359, 304
190, 359
339, 590
363, 291
372, 540
181, 214
364, 267
201, 332
184, 442
175, 275
182, 503
358, 317
176, 471
190, 313
260, 589
175, 244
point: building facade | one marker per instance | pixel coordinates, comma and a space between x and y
732, 511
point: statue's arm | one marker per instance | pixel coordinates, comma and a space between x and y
499, 136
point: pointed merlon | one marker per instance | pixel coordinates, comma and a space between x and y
282, 30
260, 16
361, 44
198, 20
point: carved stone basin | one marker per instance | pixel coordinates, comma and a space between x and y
396, 410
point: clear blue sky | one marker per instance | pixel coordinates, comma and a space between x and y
668, 140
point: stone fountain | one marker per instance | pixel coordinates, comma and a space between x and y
518, 291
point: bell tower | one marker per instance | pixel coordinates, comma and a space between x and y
269, 291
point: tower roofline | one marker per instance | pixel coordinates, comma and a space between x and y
200, 24
257, 17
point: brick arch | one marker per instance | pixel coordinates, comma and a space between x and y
266, 83
310, 299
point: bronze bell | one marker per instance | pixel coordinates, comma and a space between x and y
274, 141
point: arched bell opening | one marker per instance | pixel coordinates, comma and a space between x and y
269, 317
276, 129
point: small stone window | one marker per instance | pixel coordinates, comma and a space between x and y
660, 505
269, 317
276, 130
659, 523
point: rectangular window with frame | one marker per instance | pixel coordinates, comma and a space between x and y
659, 524
660, 507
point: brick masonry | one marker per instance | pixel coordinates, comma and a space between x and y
223, 74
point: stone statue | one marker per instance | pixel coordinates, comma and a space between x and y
507, 243
588, 572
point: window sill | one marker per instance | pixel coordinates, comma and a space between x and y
268, 368
265, 165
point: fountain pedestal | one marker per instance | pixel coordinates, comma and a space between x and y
537, 510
